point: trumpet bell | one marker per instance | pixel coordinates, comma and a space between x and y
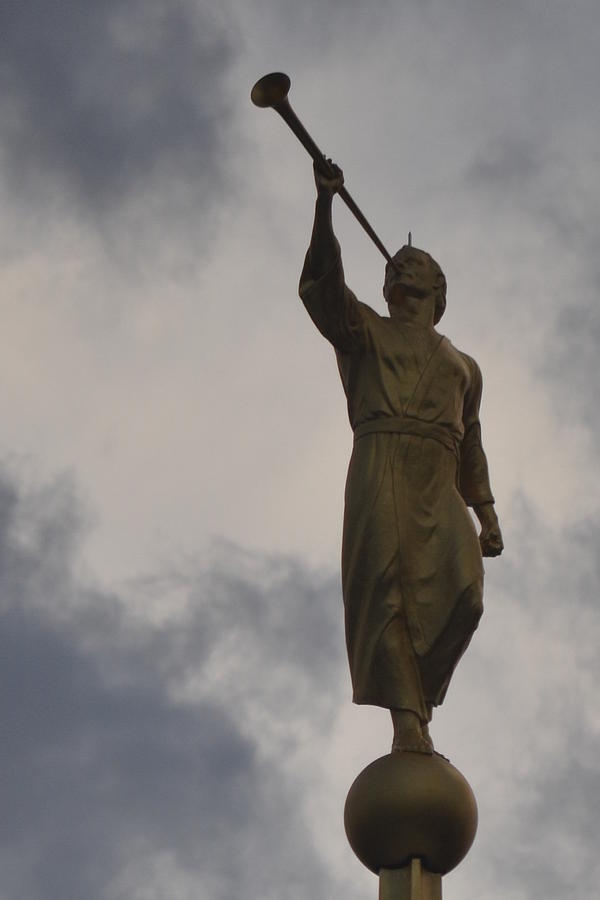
270, 89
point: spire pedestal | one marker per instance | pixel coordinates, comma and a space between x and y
413, 882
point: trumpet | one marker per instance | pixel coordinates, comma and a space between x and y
271, 91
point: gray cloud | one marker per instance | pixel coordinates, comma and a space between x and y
154, 760
552, 818
89, 768
571, 361
98, 98
540, 688
110, 763
508, 164
155, 757
565, 814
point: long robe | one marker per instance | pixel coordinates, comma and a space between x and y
412, 573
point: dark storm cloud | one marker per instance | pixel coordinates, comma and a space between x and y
88, 767
105, 766
99, 96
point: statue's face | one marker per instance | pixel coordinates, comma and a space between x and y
416, 276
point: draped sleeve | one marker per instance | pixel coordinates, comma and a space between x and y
474, 481
333, 307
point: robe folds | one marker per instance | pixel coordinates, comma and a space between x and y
412, 573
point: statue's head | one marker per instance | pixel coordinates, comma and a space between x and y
419, 276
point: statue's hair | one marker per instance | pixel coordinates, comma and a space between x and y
440, 291
440, 284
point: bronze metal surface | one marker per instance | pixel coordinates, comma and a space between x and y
410, 805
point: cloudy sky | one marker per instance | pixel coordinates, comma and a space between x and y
176, 712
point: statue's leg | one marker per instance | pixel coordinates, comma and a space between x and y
437, 666
397, 666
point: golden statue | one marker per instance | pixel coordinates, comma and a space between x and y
412, 572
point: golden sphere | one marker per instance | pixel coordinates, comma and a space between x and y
407, 805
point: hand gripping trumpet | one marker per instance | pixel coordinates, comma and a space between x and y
272, 90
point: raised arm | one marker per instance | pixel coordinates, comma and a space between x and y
324, 249
329, 302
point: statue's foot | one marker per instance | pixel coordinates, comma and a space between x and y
410, 734
412, 742
427, 736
